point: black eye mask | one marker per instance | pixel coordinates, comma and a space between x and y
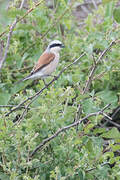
56, 45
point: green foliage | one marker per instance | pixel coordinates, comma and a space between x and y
89, 152
116, 15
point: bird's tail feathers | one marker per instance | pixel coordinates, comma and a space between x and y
24, 79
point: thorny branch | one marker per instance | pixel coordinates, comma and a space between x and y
45, 141
34, 97
9, 37
91, 75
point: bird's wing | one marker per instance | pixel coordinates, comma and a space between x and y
43, 61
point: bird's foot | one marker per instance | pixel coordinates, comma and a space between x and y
46, 85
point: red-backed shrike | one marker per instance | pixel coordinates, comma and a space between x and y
47, 62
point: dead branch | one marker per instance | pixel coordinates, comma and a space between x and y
45, 141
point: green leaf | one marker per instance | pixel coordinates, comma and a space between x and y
99, 130
115, 147
116, 14
17, 87
89, 106
89, 146
108, 97
112, 134
4, 98
81, 175
19, 64
14, 12
3, 176
106, 1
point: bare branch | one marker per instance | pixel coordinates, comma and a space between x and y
34, 97
20, 19
112, 122
31, 9
94, 67
1, 50
107, 106
115, 112
9, 37
94, 4
52, 25
109, 119
22, 4
8, 43
106, 163
7, 106
45, 141
91, 75
99, 76
10, 106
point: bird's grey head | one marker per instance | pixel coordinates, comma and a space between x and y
55, 46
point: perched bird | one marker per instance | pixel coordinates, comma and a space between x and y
47, 62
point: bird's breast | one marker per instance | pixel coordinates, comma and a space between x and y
47, 70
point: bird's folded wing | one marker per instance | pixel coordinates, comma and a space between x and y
43, 61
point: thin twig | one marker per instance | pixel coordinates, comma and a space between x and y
20, 19
115, 112
112, 122
78, 113
8, 43
34, 97
45, 141
52, 25
22, 4
99, 76
94, 67
1, 50
94, 4
91, 75
105, 107
88, 170
10, 106
9, 37
109, 119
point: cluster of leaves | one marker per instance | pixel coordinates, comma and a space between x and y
88, 152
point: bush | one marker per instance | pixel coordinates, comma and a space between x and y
34, 141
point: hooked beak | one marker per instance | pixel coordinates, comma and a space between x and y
62, 46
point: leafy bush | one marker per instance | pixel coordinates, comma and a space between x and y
88, 151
